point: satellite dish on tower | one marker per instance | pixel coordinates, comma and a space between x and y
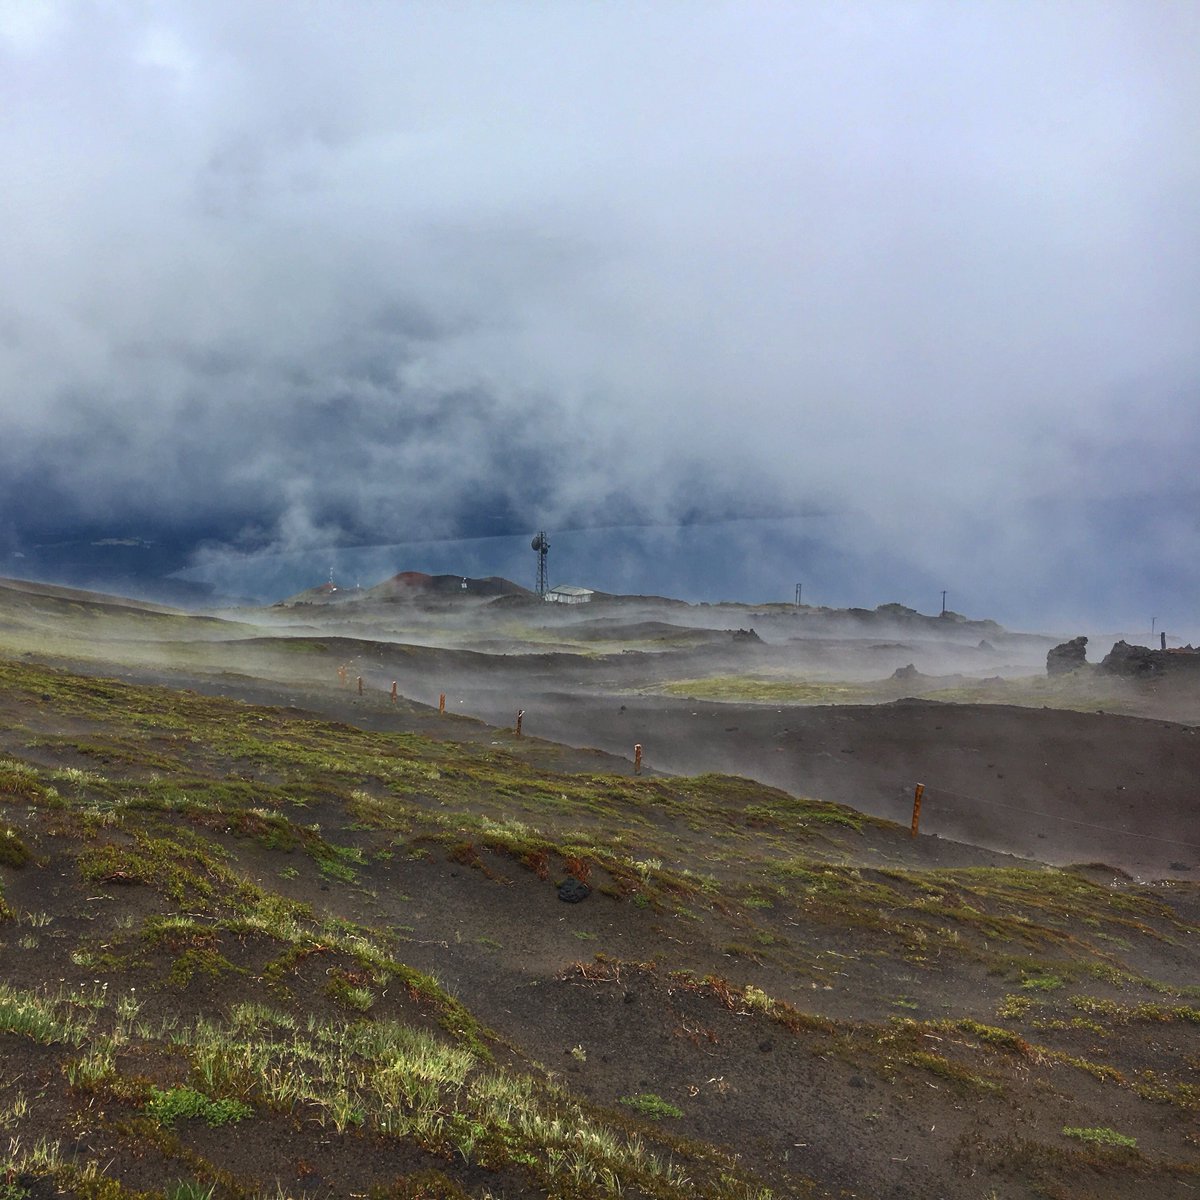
541, 544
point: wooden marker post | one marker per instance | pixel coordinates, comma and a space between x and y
917, 807
442, 704
393, 691
637, 759
520, 718
360, 685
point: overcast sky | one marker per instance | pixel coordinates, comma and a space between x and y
927, 275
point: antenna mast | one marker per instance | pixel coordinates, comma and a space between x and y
541, 543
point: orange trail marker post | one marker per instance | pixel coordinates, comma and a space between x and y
360, 685
442, 704
917, 807
393, 691
520, 718
637, 759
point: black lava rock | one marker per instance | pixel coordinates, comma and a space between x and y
1069, 656
572, 890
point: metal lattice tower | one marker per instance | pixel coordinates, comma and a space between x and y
541, 543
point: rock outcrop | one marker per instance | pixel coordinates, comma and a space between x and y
1067, 657
746, 635
1142, 662
1124, 659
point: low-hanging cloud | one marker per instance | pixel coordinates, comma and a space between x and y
288, 276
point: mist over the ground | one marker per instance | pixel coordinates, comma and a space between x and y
885, 298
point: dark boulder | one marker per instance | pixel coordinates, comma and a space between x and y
1067, 657
572, 890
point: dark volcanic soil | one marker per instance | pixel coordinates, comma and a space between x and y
1054, 785
872, 1085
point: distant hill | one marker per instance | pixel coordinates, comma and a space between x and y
325, 593
409, 585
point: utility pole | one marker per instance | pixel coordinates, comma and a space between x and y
799, 589
943, 602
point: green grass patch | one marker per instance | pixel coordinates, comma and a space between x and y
29, 1015
1101, 1136
13, 851
1043, 982
167, 1107
754, 688
647, 1104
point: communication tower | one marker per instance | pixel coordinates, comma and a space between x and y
541, 544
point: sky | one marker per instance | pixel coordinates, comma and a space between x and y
888, 297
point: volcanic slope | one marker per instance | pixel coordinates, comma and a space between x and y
1036, 770
250, 951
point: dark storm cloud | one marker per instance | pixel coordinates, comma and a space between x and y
284, 276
